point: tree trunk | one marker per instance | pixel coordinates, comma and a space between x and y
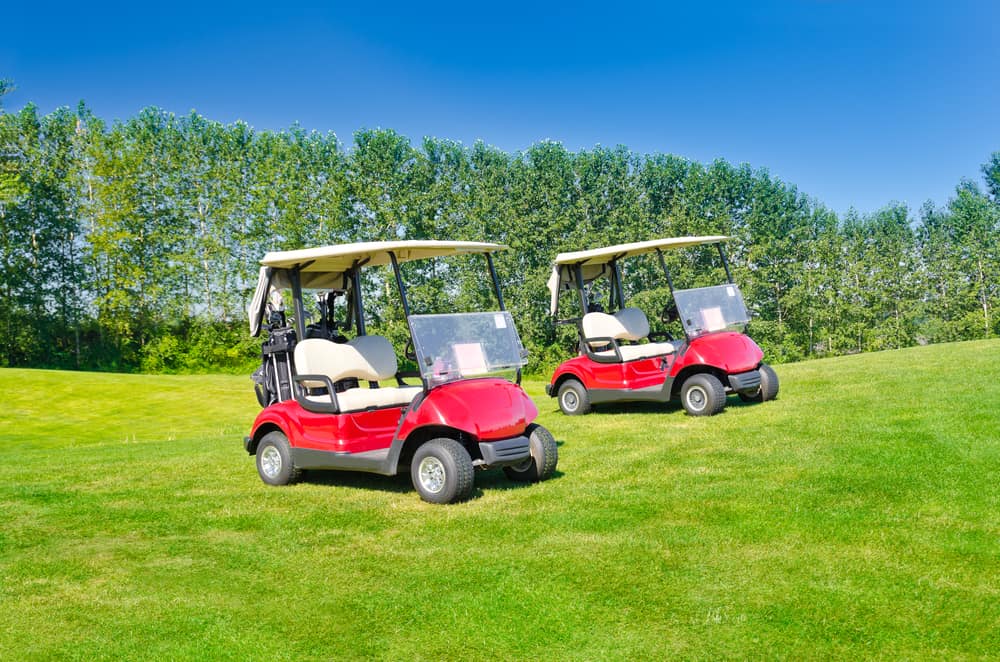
983, 299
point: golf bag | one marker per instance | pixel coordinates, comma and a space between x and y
273, 379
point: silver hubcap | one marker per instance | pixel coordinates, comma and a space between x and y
270, 462
570, 400
696, 398
431, 474
524, 466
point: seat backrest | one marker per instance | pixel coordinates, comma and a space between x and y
635, 323
378, 353
370, 358
602, 325
626, 324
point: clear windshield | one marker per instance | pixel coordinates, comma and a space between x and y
460, 345
709, 309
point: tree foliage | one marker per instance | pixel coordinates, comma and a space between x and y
134, 246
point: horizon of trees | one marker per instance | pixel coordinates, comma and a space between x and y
135, 245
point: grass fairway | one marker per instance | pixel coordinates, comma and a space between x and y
856, 516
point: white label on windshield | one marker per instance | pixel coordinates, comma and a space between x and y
500, 321
730, 290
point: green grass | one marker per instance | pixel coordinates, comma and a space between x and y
856, 516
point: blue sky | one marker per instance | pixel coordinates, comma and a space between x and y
856, 103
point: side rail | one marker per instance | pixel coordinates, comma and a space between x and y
585, 345
320, 407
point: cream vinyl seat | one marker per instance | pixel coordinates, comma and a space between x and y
626, 324
367, 358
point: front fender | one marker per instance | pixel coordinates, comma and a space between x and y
729, 351
486, 409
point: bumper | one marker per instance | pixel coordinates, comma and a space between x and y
548, 390
505, 452
745, 382
246, 445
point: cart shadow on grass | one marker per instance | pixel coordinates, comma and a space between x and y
493, 480
656, 408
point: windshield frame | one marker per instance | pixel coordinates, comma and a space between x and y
454, 346
699, 316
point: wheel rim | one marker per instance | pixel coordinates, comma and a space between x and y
270, 462
523, 466
570, 401
696, 398
431, 473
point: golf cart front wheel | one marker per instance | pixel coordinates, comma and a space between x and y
703, 395
441, 471
544, 457
274, 460
768, 386
573, 398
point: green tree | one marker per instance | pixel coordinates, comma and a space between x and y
6, 87
991, 171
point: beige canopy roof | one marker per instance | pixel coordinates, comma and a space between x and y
594, 261
324, 267
337, 259
608, 253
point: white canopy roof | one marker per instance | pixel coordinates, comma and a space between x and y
594, 261
324, 267
339, 258
608, 253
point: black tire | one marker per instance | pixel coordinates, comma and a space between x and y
703, 395
768, 386
544, 457
263, 395
573, 398
768, 383
274, 460
441, 471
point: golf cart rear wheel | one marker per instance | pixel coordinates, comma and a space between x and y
544, 457
441, 471
274, 460
703, 395
768, 386
573, 398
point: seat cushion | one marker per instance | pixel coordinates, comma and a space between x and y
359, 399
648, 350
636, 352
356, 399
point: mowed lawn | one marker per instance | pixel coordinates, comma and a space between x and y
856, 516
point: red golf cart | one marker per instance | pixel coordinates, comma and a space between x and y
326, 403
621, 361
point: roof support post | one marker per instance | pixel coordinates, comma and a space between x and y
400, 285
725, 262
616, 284
578, 269
300, 309
496, 280
359, 309
666, 272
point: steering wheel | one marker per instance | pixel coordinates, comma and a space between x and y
669, 313
410, 352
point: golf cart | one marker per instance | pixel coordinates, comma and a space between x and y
714, 357
325, 402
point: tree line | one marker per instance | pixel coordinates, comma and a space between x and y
135, 245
